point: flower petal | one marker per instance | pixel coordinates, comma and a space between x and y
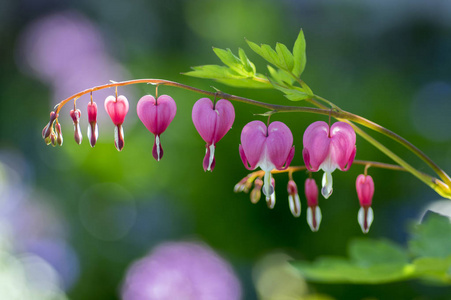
316, 140
342, 147
279, 144
253, 138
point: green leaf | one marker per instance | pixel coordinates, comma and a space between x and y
433, 268
266, 52
281, 77
300, 58
213, 72
366, 252
248, 65
370, 262
432, 238
292, 93
337, 270
245, 83
229, 59
285, 57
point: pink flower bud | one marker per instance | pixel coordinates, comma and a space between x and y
328, 149
59, 134
212, 121
268, 148
75, 115
156, 115
365, 191
313, 211
93, 128
293, 198
49, 127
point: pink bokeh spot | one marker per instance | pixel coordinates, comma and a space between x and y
181, 270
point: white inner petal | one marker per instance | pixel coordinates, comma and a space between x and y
271, 200
157, 142
295, 205
212, 156
327, 188
369, 219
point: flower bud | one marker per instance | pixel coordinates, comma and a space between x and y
293, 198
53, 138
256, 192
93, 128
49, 127
59, 134
243, 185
365, 191
314, 215
75, 115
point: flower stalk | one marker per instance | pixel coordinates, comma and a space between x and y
442, 186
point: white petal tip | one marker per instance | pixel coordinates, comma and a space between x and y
295, 205
271, 200
314, 218
365, 218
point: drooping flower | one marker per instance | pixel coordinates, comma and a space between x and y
75, 115
293, 198
93, 128
328, 149
268, 148
212, 121
313, 211
117, 109
365, 191
156, 115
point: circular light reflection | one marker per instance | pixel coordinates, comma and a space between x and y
107, 211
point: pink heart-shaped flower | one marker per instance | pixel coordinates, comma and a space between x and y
212, 122
117, 108
156, 115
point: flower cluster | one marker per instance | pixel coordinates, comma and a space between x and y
269, 147
326, 148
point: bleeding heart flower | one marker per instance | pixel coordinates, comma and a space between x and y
93, 128
365, 191
156, 115
313, 211
327, 149
268, 148
212, 121
117, 109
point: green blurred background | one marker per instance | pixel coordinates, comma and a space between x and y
389, 61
